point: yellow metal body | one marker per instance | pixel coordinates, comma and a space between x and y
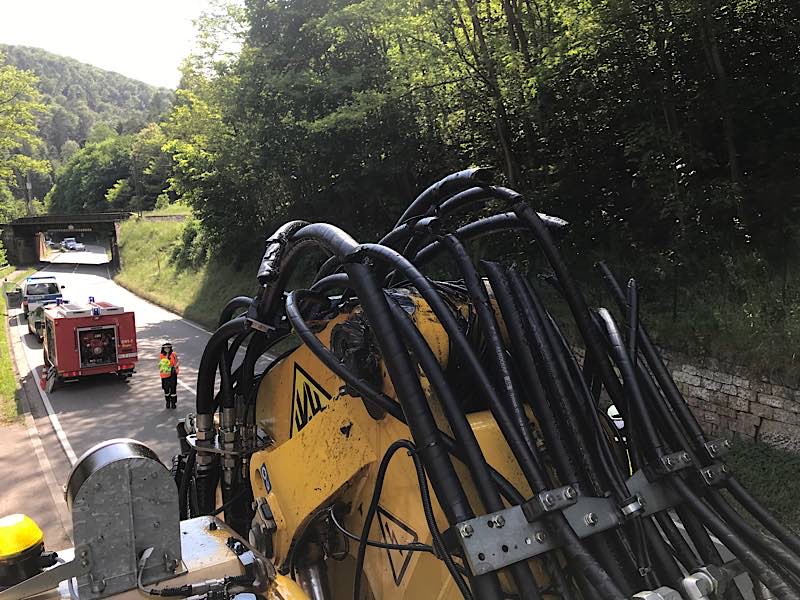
326, 451
18, 533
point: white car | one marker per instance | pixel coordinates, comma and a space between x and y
38, 290
73, 244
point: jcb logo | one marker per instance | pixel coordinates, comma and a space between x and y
308, 400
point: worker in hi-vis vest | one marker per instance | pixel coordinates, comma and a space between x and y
168, 369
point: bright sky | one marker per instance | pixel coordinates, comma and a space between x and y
142, 39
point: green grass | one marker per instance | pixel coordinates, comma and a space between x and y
9, 406
770, 475
172, 209
149, 271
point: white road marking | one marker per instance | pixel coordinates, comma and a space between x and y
187, 386
62, 437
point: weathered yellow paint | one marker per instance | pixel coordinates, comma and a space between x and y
284, 588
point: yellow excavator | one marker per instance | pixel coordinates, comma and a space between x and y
418, 422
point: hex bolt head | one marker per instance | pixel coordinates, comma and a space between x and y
540, 537
590, 519
156, 524
726, 443
686, 458
549, 499
467, 531
570, 493
724, 468
668, 461
498, 521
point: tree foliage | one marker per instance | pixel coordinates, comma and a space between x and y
83, 104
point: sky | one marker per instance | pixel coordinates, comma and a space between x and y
141, 39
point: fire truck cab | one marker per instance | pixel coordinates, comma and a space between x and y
87, 339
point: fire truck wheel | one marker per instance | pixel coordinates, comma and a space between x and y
53, 382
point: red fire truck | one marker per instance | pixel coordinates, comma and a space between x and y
87, 339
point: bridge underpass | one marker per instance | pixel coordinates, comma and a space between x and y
24, 238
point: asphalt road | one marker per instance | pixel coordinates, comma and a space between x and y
99, 408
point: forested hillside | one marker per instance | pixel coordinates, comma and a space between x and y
82, 103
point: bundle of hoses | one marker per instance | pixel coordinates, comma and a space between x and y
534, 370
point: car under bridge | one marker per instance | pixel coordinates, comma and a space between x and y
24, 238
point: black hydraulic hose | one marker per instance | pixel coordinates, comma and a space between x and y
330, 281
463, 434
631, 383
679, 406
491, 333
456, 182
752, 506
734, 543
234, 304
633, 320
459, 341
188, 472
574, 407
420, 420
418, 414
572, 293
660, 371
551, 426
684, 552
766, 546
213, 352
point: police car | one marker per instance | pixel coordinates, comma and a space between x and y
39, 290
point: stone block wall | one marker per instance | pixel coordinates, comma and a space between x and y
729, 401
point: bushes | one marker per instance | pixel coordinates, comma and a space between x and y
191, 251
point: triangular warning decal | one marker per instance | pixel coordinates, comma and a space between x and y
308, 400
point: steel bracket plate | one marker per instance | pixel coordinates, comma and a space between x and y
715, 474
549, 501
48, 580
717, 448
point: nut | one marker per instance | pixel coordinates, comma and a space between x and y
467, 531
498, 521
549, 499
590, 519
540, 537
570, 493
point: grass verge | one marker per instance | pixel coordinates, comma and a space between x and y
9, 407
770, 474
148, 270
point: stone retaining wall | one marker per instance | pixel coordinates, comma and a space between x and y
729, 401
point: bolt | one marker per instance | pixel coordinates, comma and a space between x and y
98, 586
726, 443
156, 524
498, 521
528, 541
549, 500
570, 493
686, 458
590, 519
668, 461
83, 554
540, 537
467, 531
724, 468
713, 449
85, 563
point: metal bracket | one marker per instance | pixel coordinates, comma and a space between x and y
548, 501
498, 539
717, 448
654, 496
715, 474
48, 580
215, 448
670, 463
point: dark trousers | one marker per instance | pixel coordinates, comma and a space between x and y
170, 387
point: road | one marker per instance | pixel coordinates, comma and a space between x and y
99, 408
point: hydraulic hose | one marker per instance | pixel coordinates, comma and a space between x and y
463, 434
457, 182
214, 350
233, 305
